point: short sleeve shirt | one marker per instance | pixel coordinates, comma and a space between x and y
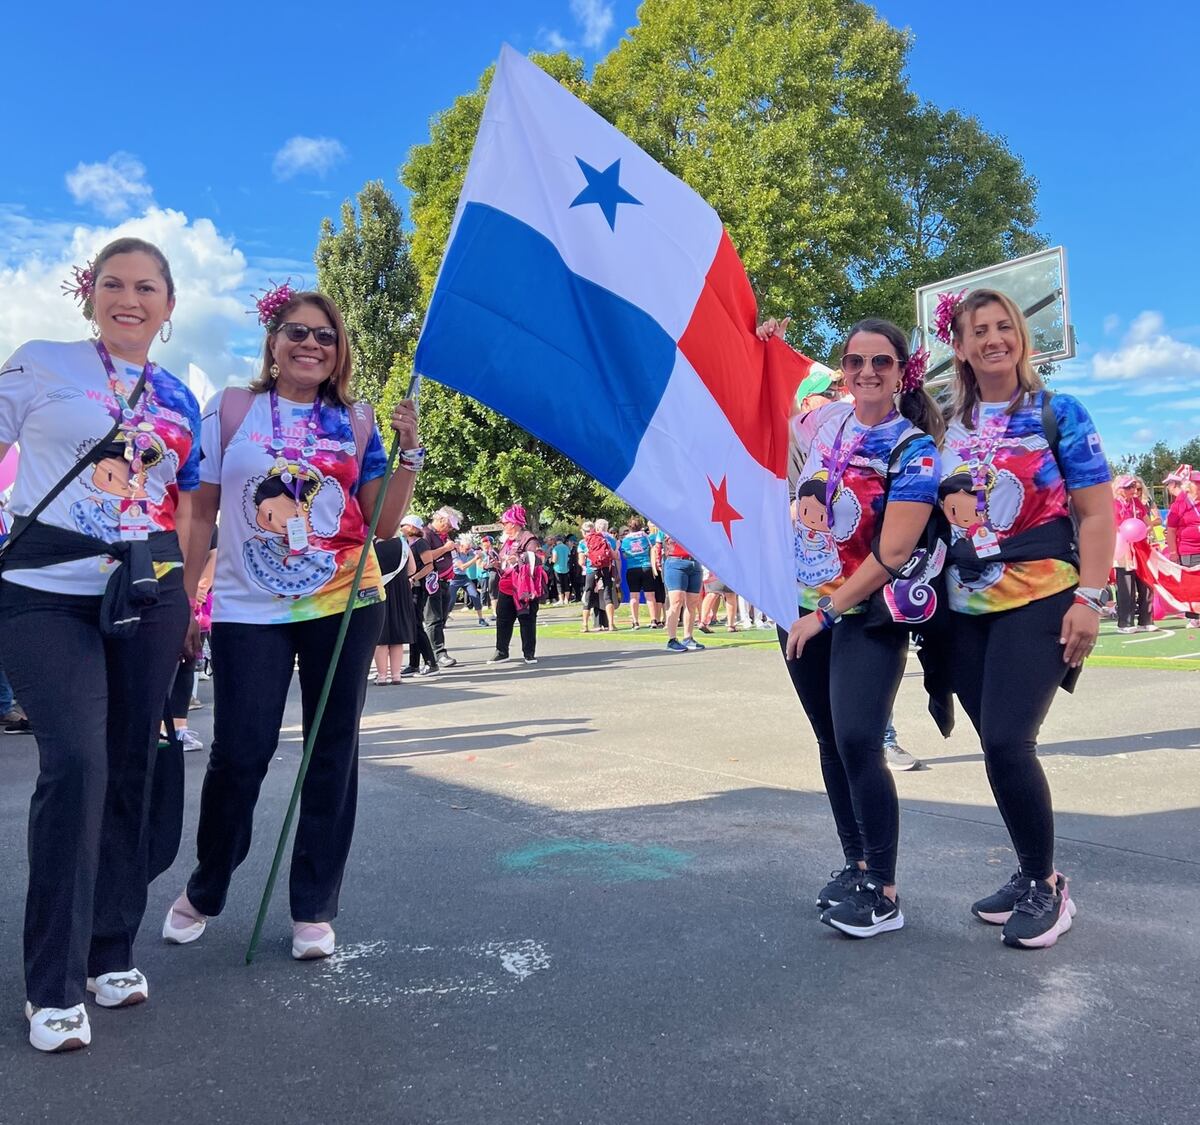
827, 554
259, 579
1184, 517
1027, 486
635, 547
55, 404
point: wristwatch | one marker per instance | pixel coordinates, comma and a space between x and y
1101, 596
825, 606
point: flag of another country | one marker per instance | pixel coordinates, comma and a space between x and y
596, 300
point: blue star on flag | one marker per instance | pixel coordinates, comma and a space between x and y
604, 189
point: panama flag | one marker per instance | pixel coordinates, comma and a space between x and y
596, 300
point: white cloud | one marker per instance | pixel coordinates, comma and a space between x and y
595, 20
1144, 436
1148, 350
115, 187
1111, 323
553, 40
315, 155
210, 322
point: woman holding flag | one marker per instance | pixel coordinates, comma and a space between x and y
1026, 589
294, 466
870, 471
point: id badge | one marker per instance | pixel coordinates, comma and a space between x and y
135, 520
986, 542
297, 535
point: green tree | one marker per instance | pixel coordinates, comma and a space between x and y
367, 268
1159, 460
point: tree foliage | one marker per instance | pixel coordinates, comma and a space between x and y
366, 267
1161, 459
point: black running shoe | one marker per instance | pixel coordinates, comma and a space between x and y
1040, 917
840, 884
866, 912
997, 909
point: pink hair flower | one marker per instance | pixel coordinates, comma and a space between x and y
81, 283
272, 302
914, 370
943, 317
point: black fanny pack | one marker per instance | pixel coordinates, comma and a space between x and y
1053, 540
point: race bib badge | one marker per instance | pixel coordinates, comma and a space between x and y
985, 541
135, 520
297, 535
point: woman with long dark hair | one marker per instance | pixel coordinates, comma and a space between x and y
97, 574
294, 465
869, 472
1026, 586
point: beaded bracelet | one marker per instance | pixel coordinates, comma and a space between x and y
413, 459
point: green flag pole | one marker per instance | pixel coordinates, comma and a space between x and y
310, 740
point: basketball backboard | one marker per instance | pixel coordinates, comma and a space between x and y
1038, 284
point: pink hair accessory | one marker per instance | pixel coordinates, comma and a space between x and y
81, 283
515, 514
943, 316
271, 302
914, 371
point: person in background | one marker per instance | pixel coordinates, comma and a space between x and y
560, 560
438, 533
635, 555
612, 574
714, 591
681, 573
522, 584
422, 660
658, 609
466, 561
400, 627
1183, 529
1133, 595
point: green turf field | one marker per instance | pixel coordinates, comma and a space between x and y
1173, 649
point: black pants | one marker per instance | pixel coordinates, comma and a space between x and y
847, 681
96, 704
1133, 599
437, 609
1007, 667
506, 615
250, 687
421, 646
180, 699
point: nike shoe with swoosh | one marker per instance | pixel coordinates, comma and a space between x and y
865, 912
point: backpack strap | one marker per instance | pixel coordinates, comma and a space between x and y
1050, 426
231, 412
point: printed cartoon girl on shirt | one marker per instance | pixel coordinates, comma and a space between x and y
274, 559
816, 552
114, 479
1003, 494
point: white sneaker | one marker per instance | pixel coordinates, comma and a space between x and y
179, 926
897, 759
58, 1029
311, 940
119, 990
1127, 629
190, 739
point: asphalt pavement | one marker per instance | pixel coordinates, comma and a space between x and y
583, 892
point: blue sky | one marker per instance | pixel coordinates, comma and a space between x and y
227, 132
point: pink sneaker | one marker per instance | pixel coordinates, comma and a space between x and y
183, 923
311, 940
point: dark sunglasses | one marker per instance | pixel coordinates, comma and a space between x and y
852, 363
326, 337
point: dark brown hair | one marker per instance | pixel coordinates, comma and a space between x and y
966, 386
129, 246
336, 389
917, 406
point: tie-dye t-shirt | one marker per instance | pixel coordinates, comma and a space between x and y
259, 579
1025, 489
56, 404
825, 556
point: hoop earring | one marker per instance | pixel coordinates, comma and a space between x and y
274, 370
167, 327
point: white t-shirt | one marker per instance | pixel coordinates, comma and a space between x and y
55, 403
258, 579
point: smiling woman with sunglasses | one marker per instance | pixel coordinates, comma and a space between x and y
294, 465
869, 470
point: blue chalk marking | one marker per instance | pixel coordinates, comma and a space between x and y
589, 859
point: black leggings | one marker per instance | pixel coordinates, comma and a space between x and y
1133, 599
96, 704
180, 699
421, 645
1007, 667
506, 616
253, 672
847, 681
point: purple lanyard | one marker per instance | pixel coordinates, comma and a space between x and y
839, 462
281, 449
131, 421
983, 450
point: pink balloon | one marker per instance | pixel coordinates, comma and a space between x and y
1133, 530
8, 468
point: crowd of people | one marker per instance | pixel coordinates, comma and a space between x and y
1003, 508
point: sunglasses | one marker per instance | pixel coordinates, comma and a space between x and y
852, 363
326, 337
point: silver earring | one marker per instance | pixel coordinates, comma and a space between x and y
274, 370
168, 328
95, 328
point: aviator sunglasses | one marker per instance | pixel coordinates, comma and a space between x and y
326, 337
852, 363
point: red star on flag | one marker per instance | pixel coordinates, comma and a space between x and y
723, 511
